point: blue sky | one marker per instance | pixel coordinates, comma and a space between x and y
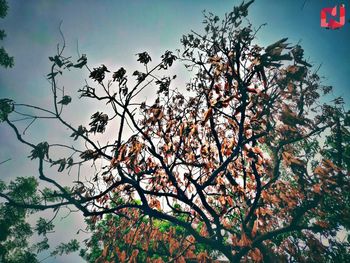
112, 32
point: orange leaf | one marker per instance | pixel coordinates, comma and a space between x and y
202, 257
105, 251
322, 224
133, 258
234, 240
194, 129
157, 113
255, 228
137, 169
222, 200
190, 254
173, 245
245, 241
231, 121
226, 102
122, 256
122, 153
252, 90
181, 260
256, 255
229, 200
330, 164
320, 171
207, 115
316, 188
286, 157
181, 129
155, 203
113, 162
297, 161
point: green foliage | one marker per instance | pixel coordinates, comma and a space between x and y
2, 34
5, 60
66, 248
43, 226
14, 235
24, 189
40, 151
61, 164
338, 151
81, 131
3, 8
157, 248
65, 100
163, 226
93, 251
15, 232
42, 245
2, 186
144, 58
49, 195
339, 139
6, 107
98, 74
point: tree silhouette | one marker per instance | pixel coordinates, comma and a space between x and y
5, 60
233, 167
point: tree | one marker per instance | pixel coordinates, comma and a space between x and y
5, 60
235, 167
14, 231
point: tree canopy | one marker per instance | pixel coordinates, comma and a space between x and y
5, 59
250, 164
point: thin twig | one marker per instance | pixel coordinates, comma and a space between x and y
302, 7
9, 159
34, 119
